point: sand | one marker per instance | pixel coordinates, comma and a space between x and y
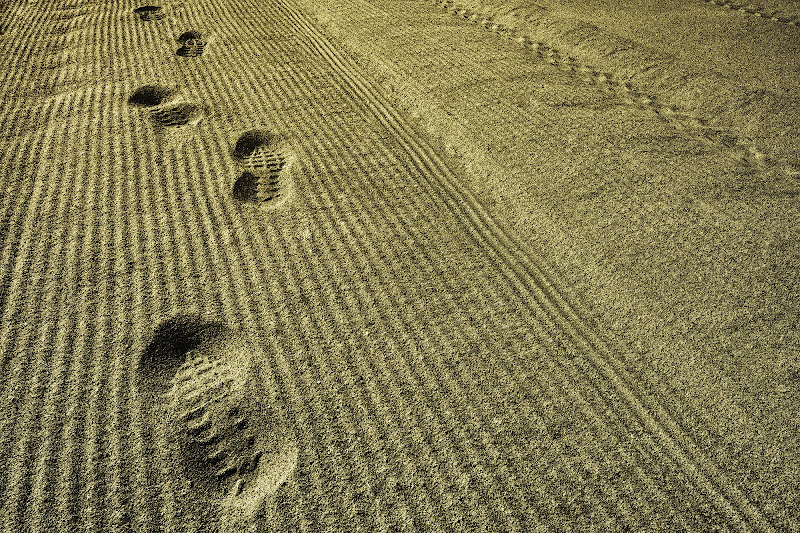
380, 266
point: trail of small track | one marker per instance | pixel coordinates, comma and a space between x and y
434, 371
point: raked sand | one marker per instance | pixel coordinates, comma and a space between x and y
294, 265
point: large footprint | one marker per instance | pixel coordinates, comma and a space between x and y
235, 449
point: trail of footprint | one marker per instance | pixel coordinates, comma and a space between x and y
192, 44
265, 178
751, 9
164, 109
234, 448
741, 149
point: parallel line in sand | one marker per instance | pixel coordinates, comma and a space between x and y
243, 295
353, 314
341, 167
68, 261
20, 371
526, 266
16, 200
149, 304
233, 301
168, 299
127, 246
111, 172
342, 145
362, 209
73, 471
93, 491
70, 457
19, 210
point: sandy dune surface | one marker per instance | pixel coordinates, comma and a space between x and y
284, 265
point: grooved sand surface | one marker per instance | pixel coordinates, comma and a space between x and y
287, 265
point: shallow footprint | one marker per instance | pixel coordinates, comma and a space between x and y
179, 114
165, 110
235, 449
149, 12
265, 161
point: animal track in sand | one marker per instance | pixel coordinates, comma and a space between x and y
149, 12
751, 9
192, 44
740, 148
234, 448
265, 174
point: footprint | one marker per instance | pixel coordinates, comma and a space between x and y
149, 12
235, 449
192, 44
265, 163
179, 114
164, 110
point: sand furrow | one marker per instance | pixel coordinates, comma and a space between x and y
24, 367
436, 371
337, 170
17, 156
349, 307
112, 259
400, 326
395, 305
79, 325
57, 293
722, 492
166, 300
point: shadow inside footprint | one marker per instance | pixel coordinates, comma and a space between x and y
170, 343
150, 96
192, 44
248, 141
234, 446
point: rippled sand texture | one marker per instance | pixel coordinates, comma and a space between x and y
286, 265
